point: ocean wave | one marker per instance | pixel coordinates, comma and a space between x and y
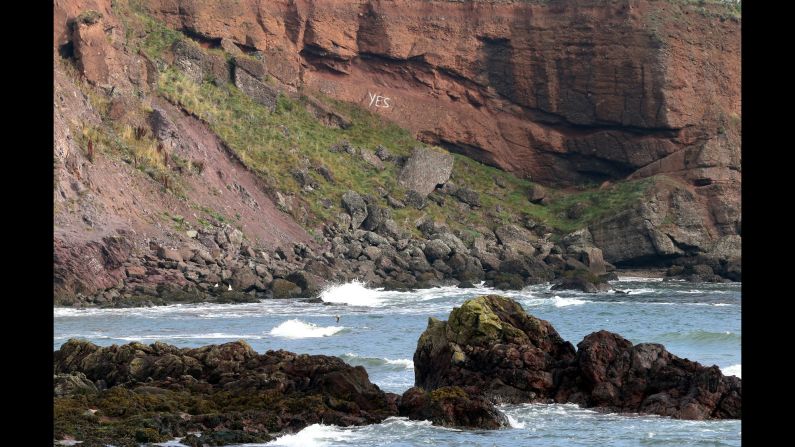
514, 423
296, 328
397, 364
563, 302
638, 279
700, 336
315, 435
733, 370
352, 293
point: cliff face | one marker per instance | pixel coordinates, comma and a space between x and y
563, 91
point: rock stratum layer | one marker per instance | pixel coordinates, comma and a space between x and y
492, 345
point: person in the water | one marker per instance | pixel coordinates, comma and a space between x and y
338, 318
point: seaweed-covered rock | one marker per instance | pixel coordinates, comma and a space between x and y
229, 392
451, 407
491, 343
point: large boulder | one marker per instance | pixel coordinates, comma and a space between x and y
255, 89
582, 280
356, 207
517, 239
425, 169
491, 343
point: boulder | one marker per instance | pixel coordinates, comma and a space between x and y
491, 343
425, 169
356, 208
372, 159
537, 194
199, 65
282, 288
517, 239
436, 249
581, 280
376, 217
468, 196
451, 407
255, 89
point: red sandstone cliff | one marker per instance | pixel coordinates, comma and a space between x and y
564, 91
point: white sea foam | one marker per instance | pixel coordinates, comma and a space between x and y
406, 363
638, 279
299, 329
563, 302
316, 435
353, 293
514, 423
733, 370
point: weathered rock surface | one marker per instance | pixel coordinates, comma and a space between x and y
660, 93
425, 169
645, 378
492, 344
451, 407
153, 393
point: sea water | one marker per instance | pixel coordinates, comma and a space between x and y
379, 330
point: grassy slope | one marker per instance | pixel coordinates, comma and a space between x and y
273, 144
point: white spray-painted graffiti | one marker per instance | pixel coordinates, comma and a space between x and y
378, 100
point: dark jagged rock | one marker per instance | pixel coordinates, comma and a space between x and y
228, 392
490, 343
282, 288
581, 280
451, 407
645, 378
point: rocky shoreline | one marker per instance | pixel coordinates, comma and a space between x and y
218, 264
490, 350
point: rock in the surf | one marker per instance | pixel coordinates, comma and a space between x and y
451, 407
614, 374
153, 393
490, 343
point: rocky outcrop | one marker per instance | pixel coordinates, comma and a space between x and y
671, 224
490, 343
616, 375
226, 391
